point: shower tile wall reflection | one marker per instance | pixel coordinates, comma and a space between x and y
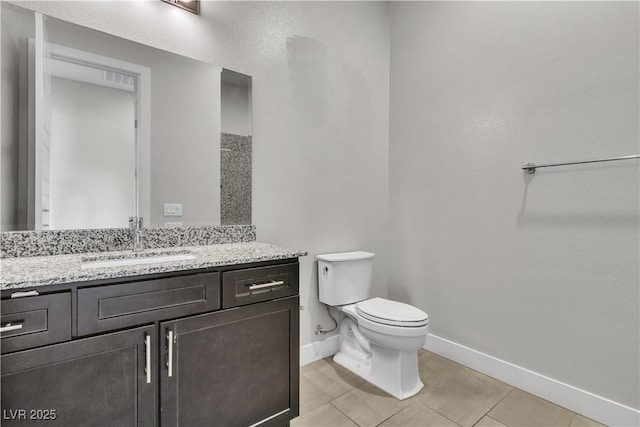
235, 179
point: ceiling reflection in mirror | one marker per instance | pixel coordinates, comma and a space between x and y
96, 128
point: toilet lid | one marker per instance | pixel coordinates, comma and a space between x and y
392, 313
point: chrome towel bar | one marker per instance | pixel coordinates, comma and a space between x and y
531, 167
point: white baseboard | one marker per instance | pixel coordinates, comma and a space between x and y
581, 401
318, 350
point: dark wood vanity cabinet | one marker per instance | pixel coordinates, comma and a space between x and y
109, 307
35, 321
98, 381
160, 351
237, 367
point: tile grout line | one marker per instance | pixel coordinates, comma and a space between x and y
484, 414
443, 415
487, 416
332, 398
354, 421
395, 413
497, 403
439, 413
381, 422
348, 417
513, 388
417, 402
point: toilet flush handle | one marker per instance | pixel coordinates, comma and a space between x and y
325, 270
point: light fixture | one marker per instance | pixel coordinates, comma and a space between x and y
190, 5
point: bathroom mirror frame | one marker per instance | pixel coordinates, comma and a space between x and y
144, 200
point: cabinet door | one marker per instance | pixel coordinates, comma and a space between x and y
238, 367
101, 381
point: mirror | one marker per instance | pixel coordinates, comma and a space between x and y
96, 128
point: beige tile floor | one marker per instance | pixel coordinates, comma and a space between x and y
453, 396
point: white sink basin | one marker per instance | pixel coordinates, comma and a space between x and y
119, 262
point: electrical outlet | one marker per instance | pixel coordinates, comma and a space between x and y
173, 209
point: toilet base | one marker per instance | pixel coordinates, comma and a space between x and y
393, 371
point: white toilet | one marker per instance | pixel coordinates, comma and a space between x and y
379, 338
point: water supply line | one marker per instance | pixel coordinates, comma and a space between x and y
320, 331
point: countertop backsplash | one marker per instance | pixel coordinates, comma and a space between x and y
65, 242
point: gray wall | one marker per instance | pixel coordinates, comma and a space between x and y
539, 271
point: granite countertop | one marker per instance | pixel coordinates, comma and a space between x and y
27, 272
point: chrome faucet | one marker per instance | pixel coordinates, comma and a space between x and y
137, 232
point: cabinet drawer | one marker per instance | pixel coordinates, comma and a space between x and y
112, 307
252, 285
35, 321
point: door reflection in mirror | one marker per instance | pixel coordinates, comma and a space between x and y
93, 137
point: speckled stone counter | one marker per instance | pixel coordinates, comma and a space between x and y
62, 242
27, 272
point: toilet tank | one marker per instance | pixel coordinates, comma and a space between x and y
345, 277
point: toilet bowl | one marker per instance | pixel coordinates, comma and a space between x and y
383, 351
379, 338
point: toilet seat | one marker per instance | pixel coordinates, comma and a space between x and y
392, 313
391, 317
406, 328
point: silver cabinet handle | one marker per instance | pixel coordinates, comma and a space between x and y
170, 353
21, 294
147, 363
266, 285
9, 327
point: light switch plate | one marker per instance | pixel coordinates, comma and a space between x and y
173, 209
